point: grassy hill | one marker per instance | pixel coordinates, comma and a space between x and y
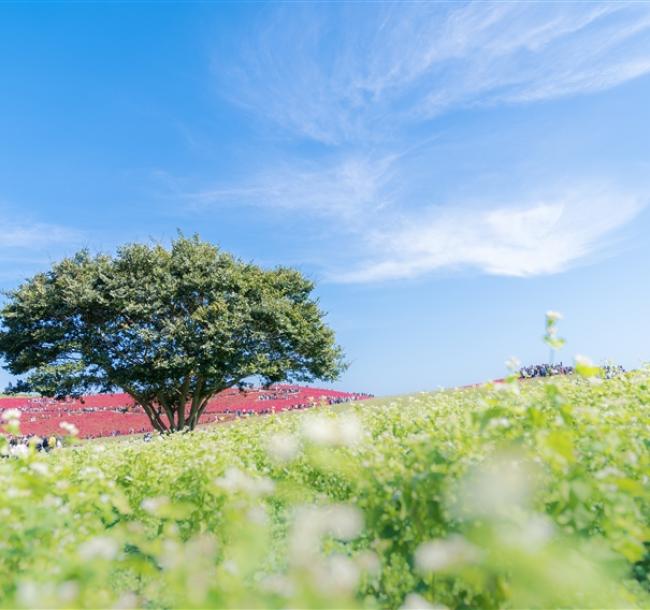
527, 494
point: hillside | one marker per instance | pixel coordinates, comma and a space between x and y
99, 415
527, 494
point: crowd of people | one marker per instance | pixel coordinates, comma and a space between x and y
71, 407
322, 400
20, 444
279, 395
609, 369
545, 370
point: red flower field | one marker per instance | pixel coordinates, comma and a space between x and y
115, 414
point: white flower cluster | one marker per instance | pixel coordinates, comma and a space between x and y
336, 575
513, 363
153, 505
413, 601
235, 480
342, 521
282, 447
583, 360
343, 430
497, 486
71, 429
439, 555
100, 547
10, 414
553, 316
40, 468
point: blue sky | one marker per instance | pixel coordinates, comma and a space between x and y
446, 172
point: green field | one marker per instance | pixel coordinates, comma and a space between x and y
528, 494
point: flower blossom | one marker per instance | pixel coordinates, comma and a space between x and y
10, 414
71, 429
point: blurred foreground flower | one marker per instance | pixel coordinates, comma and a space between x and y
550, 337
340, 430
585, 367
413, 601
10, 414
71, 429
438, 555
497, 487
100, 547
282, 447
513, 363
342, 521
236, 480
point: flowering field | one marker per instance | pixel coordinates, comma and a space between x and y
99, 415
520, 495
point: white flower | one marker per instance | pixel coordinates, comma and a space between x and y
583, 360
282, 447
11, 414
441, 554
553, 316
350, 430
341, 575
513, 363
413, 601
496, 486
258, 515
126, 601
341, 521
152, 505
369, 563
536, 532
500, 422
320, 430
343, 430
100, 547
278, 584
28, 594
68, 591
71, 429
235, 480
40, 467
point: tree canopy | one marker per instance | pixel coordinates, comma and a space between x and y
171, 327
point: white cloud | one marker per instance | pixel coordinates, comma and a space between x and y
523, 240
27, 246
346, 189
359, 73
368, 80
34, 236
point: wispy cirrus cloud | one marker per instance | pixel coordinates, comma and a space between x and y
35, 236
364, 72
27, 245
524, 239
348, 189
370, 83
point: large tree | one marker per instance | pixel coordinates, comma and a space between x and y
171, 327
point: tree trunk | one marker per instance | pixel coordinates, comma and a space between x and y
196, 402
154, 418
